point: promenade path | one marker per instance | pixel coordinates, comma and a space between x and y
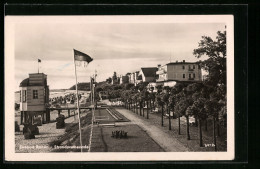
166, 141
40, 144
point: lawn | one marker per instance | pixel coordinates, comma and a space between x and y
137, 141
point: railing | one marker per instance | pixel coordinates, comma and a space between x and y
190, 69
191, 78
161, 79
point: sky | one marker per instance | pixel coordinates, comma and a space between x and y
120, 47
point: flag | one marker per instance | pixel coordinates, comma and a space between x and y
81, 57
39, 60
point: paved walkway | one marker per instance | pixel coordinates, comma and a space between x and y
40, 144
166, 141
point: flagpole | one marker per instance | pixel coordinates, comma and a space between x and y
80, 139
90, 88
38, 66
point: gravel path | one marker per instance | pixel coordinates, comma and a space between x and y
48, 133
167, 142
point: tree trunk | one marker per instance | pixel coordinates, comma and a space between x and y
206, 124
170, 124
147, 110
143, 108
140, 108
188, 127
136, 108
21, 118
162, 115
200, 132
179, 121
196, 121
218, 128
150, 101
214, 134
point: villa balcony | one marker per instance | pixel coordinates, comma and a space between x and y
159, 72
191, 78
190, 69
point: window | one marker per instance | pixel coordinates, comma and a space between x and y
189, 75
35, 94
194, 75
193, 66
189, 67
183, 76
183, 67
24, 95
198, 66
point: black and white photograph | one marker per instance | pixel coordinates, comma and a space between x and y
154, 87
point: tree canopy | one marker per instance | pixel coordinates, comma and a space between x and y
215, 65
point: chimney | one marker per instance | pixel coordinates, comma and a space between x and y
183, 61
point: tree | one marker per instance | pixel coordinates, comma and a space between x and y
166, 102
134, 98
128, 86
215, 65
98, 89
212, 107
182, 108
114, 78
127, 98
123, 97
146, 98
140, 100
109, 80
152, 97
125, 79
198, 110
160, 102
159, 88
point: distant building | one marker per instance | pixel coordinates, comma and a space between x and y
124, 79
115, 80
133, 78
148, 74
179, 71
34, 95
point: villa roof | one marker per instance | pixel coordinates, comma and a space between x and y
149, 71
24, 83
34, 80
181, 63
